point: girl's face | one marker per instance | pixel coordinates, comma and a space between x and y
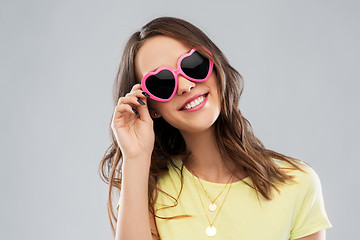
160, 51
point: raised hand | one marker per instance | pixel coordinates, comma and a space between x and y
133, 126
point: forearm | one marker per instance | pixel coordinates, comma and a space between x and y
133, 216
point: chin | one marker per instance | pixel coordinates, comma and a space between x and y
199, 125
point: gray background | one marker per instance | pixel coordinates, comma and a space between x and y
300, 61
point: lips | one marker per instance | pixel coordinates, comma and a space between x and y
191, 99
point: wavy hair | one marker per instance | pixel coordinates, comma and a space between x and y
235, 138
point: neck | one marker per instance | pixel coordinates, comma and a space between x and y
205, 159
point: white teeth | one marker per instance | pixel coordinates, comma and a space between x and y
195, 102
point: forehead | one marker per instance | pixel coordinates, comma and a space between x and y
158, 51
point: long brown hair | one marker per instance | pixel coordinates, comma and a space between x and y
235, 138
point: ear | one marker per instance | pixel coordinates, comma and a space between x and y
154, 114
152, 111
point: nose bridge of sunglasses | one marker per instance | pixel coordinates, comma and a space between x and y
184, 84
178, 73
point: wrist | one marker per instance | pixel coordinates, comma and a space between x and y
143, 160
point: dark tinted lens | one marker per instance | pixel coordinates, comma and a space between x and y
195, 66
162, 84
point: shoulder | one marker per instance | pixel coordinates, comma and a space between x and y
171, 178
307, 173
306, 180
309, 215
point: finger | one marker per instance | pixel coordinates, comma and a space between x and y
136, 86
123, 109
132, 100
144, 113
135, 92
138, 105
142, 108
139, 95
123, 117
140, 101
136, 98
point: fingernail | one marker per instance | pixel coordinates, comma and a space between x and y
145, 94
136, 112
141, 102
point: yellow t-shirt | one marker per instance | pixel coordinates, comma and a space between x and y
296, 212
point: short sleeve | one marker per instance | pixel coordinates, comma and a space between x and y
310, 215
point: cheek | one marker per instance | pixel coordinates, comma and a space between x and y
151, 103
214, 85
159, 107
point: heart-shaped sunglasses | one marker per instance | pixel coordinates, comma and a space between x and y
161, 85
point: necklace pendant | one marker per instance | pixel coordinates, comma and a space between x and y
210, 231
212, 207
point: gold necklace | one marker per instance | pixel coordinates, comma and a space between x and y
212, 205
211, 230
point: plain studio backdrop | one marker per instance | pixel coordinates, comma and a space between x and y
300, 61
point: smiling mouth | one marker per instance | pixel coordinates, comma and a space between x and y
195, 102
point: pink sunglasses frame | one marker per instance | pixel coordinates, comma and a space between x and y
175, 74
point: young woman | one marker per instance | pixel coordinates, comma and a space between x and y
184, 158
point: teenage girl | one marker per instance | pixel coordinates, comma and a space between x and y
186, 161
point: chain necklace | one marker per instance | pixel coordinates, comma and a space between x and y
212, 205
211, 230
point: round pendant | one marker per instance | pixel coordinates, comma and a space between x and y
210, 231
212, 207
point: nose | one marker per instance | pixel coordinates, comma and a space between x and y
184, 85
